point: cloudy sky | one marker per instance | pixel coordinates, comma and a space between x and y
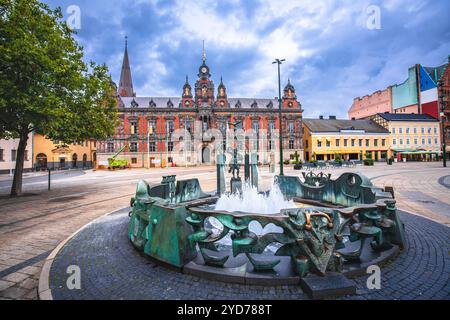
331, 54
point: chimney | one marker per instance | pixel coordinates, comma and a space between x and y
332, 118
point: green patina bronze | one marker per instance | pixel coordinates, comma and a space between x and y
170, 222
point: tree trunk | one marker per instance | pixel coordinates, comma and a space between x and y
16, 189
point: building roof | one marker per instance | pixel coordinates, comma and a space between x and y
338, 125
407, 117
163, 102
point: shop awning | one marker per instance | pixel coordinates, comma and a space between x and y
419, 152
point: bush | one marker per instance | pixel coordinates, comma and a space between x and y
368, 162
287, 162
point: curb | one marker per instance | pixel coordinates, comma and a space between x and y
44, 291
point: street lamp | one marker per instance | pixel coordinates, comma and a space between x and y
279, 62
442, 109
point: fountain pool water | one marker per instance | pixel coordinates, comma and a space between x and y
251, 201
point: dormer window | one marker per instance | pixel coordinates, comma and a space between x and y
270, 105
134, 104
187, 103
152, 104
238, 104
169, 104
254, 105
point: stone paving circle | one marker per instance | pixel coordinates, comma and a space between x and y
111, 268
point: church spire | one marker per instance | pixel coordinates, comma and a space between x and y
204, 53
126, 83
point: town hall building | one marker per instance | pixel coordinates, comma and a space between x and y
148, 124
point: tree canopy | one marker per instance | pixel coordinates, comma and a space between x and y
45, 85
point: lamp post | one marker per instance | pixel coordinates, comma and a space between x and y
442, 109
279, 62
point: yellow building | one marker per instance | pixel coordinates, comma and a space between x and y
326, 139
48, 154
413, 136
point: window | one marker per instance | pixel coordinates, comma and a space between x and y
345, 142
394, 141
13, 155
360, 142
423, 130
270, 145
291, 144
152, 146
271, 126
2, 156
423, 141
170, 126
353, 142
133, 127
429, 130
26, 155
133, 147
415, 141
393, 130
435, 141
400, 130
407, 141
415, 130
319, 143
401, 141
152, 127
407, 130
338, 142
429, 141
134, 160
367, 142
110, 147
435, 130
291, 126
383, 142
328, 143
375, 143
255, 126
170, 146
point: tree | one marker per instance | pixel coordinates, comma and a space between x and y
45, 86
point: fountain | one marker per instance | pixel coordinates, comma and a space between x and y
297, 229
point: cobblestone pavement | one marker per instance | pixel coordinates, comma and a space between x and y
112, 269
33, 225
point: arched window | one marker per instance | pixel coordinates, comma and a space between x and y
84, 160
41, 161
74, 160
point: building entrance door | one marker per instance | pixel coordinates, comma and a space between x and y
206, 155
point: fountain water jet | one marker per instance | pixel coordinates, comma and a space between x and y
251, 201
